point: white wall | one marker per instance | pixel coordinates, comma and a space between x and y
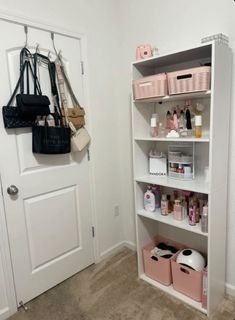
98, 21
170, 26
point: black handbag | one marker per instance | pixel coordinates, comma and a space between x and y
32, 104
51, 140
12, 117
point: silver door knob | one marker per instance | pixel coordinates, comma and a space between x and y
12, 190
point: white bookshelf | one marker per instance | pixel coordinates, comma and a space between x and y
210, 150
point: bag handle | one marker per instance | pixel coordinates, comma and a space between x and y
26, 56
62, 72
17, 84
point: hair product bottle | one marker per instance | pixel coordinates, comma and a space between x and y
168, 121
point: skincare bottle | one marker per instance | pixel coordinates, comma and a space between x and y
153, 127
204, 220
168, 121
175, 121
170, 203
192, 216
164, 205
181, 120
161, 130
149, 200
198, 126
157, 194
178, 210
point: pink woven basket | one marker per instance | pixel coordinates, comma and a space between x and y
150, 87
189, 80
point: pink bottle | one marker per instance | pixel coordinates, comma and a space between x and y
149, 200
192, 216
175, 121
178, 211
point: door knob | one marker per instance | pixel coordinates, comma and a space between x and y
12, 190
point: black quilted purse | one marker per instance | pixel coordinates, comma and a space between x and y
12, 117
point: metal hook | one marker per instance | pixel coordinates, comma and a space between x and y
49, 55
37, 48
53, 42
26, 36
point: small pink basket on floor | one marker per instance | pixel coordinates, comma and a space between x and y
150, 87
189, 80
186, 280
157, 268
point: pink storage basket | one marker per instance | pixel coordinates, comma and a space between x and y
150, 87
186, 280
189, 80
160, 269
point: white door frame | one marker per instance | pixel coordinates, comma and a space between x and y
25, 21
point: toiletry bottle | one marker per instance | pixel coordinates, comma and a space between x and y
153, 127
192, 216
170, 203
168, 121
178, 210
164, 205
204, 220
175, 121
198, 126
161, 130
149, 200
181, 120
180, 169
157, 194
188, 120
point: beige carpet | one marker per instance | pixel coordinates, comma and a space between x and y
110, 290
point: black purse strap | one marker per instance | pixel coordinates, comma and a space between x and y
17, 84
26, 56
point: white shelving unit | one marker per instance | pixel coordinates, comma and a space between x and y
210, 150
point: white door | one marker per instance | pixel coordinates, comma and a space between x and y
49, 221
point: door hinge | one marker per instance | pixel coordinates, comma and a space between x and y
88, 154
82, 67
93, 231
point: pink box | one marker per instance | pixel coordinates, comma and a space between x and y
150, 87
158, 269
186, 280
189, 80
204, 289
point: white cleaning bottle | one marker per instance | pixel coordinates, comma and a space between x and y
149, 200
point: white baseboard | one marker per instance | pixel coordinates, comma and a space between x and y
130, 245
116, 248
230, 290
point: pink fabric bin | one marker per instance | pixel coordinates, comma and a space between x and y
158, 270
186, 280
150, 87
189, 80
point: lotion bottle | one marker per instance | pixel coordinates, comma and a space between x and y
149, 200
